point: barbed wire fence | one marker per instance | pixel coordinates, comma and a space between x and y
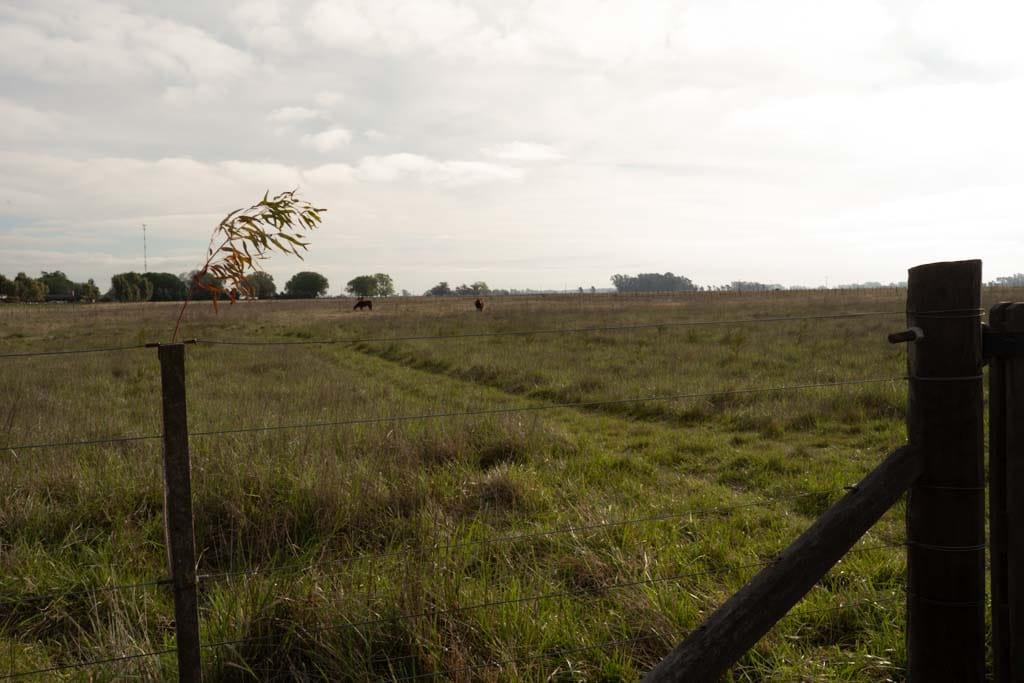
41, 601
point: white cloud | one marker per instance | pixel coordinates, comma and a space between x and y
389, 26
262, 23
375, 135
20, 123
328, 98
523, 151
327, 140
95, 42
985, 34
290, 115
330, 174
394, 167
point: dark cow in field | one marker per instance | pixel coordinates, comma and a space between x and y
363, 303
479, 305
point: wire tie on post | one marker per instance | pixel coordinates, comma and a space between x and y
943, 487
948, 548
945, 603
965, 378
950, 313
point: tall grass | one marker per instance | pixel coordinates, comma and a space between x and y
369, 551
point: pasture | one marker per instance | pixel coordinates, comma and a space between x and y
540, 543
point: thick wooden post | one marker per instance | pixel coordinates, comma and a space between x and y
945, 509
180, 538
997, 507
1006, 497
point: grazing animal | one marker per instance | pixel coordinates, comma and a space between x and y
363, 303
479, 305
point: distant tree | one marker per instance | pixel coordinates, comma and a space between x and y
130, 286
166, 287
363, 285
593, 289
385, 285
475, 289
378, 284
58, 283
652, 282
6, 286
406, 292
306, 285
1015, 280
262, 285
89, 291
440, 289
29, 289
743, 286
202, 286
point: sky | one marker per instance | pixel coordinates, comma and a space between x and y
526, 143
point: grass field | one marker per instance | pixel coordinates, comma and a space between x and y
419, 548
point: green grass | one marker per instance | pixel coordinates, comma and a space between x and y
352, 529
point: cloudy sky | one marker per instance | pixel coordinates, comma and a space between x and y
543, 143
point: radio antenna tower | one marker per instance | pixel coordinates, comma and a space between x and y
145, 263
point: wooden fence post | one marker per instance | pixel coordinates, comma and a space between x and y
945, 508
1006, 500
179, 534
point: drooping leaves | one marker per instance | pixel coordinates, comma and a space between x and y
245, 237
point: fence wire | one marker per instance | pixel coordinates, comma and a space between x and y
468, 413
583, 593
470, 335
562, 652
85, 664
547, 331
419, 553
78, 593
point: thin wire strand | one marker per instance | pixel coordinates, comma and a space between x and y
68, 352
549, 406
563, 330
85, 591
517, 660
512, 538
580, 592
489, 411
467, 413
610, 643
90, 442
82, 665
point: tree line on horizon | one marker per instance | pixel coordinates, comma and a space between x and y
136, 287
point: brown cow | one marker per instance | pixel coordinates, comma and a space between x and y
363, 303
479, 305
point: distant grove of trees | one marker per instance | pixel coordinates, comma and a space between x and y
653, 282
378, 284
476, 289
1015, 280
54, 285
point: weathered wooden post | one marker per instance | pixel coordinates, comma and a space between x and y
178, 529
1004, 346
945, 508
